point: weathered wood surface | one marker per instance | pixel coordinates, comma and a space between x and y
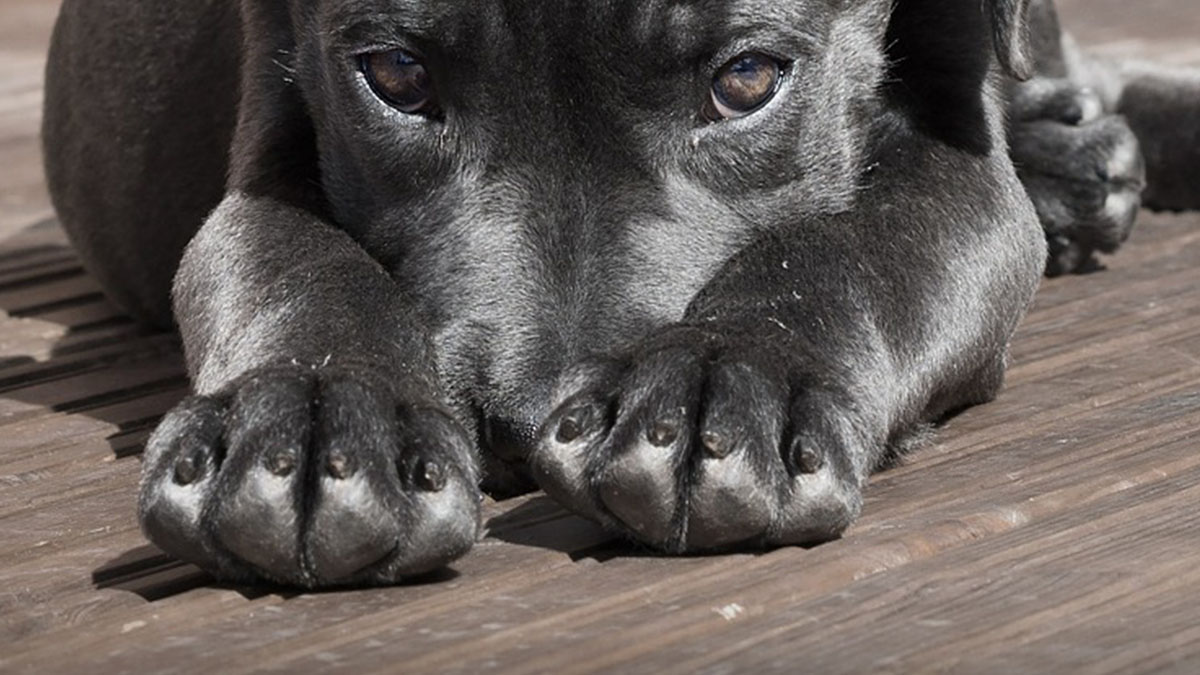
1055, 530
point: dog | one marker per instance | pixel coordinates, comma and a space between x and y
695, 269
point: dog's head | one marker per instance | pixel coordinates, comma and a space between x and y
552, 176
578, 112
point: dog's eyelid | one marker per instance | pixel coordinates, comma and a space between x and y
358, 35
358, 53
786, 49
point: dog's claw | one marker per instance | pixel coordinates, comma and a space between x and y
805, 458
572, 426
430, 476
717, 444
664, 433
187, 469
282, 463
340, 467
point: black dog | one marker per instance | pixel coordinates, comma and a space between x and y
697, 268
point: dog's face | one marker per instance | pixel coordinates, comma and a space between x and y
552, 177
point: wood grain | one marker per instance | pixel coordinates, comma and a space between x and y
1054, 530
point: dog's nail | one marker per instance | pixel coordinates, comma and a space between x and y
663, 433
430, 476
717, 444
573, 425
282, 464
188, 469
339, 466
805, 458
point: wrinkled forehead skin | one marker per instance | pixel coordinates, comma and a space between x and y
568, 74
570, 52
474, 28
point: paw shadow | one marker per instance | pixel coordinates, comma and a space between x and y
153, 575
75, 371
539, 522
65, 351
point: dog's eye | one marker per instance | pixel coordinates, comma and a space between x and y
400, 79
742, 86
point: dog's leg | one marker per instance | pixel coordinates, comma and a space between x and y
1082, 168
1080, 163
318, 450
813, 354
140, 106
1162, 106
1088, 135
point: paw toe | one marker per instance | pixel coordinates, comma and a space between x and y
351, 528
258, 523
824, 493
820, 508
731, 501
178, 471
444, 525
560, 462
640, 488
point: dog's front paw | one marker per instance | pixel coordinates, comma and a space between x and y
1083, 170
311, 478
695, 442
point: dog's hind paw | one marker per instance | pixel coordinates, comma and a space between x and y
311, 478
694, 443
1082, 169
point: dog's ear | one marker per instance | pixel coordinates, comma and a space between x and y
1010, 32
940, 60
274, 146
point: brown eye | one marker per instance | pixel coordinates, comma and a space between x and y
742, 86
401, 80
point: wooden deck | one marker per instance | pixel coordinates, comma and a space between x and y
1055, 530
